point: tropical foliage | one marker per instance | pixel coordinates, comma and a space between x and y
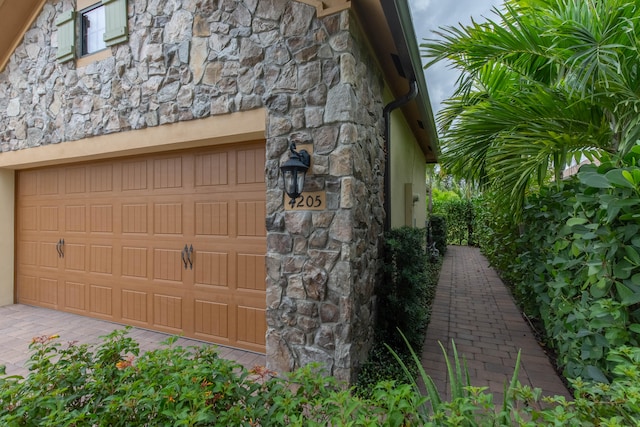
575, 265
544, 83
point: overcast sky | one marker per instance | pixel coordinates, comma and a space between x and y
429, 15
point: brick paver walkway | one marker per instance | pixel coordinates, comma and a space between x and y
20, 323
475, 309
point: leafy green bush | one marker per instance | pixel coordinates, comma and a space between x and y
575, 264
438, 230
112, 385
459, 214
404, 303
403, 294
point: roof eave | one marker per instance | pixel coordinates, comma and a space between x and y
400, 23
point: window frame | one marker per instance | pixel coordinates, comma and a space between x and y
69, 25
82, 37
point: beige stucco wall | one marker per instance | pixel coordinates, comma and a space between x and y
7, 180
408, 166
223, 129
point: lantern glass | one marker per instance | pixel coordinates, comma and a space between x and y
293, 182
300, 184
294, 171
289, 181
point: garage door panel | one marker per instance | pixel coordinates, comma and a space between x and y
211, 268
49, 218
48, 182
212, 218
251, 325
211, 319
134, 305
27, 288
211, 169
134, 261
48, 291
135, 218
251, 215
101, 219
134, 175
75, 218
28, 253
251, 272
101, 259
167, 218
75, 296
75, 180
101, 178
48, 255
28, 218
167, 265
100, 300
27, 184
125, 223
167, 173
250, 166
167, 311
75, 256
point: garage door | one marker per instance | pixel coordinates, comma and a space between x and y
173, 242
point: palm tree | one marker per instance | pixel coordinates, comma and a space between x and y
545, 82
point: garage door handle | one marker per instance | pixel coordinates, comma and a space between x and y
59, 248
185, 254
189, 257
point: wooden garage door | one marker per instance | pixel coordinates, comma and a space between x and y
172, 242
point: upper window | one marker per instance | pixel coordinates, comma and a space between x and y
92, 21
101, 24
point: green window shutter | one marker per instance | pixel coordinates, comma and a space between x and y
66, 36
116, 21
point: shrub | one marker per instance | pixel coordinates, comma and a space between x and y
438, 230
575, 264
459, 215
404, 303
108, 385
403, 292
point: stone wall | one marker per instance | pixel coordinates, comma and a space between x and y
189, 59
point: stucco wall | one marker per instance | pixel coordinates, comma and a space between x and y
408, 166
7, 185
193, 59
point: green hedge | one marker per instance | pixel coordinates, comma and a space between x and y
403, 293
459, 216
438, 226
575, 264
404, 296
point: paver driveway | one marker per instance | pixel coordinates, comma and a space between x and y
19, 324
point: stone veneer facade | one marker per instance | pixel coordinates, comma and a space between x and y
189, 59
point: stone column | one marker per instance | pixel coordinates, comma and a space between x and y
322, 265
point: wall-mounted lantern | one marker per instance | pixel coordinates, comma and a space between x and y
294, 171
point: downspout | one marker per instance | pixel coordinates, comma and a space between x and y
413, 92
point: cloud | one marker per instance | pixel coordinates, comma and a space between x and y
429, 16
420, 5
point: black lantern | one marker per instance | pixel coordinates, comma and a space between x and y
294, 171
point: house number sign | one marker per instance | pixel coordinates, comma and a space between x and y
308, 201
